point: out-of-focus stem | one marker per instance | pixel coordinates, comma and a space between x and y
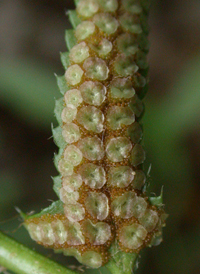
123, 265
21, 260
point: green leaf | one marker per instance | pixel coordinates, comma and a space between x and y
157, 201
59, 105
57, 157
121, 262
64, 56
62, 84
73, 18
55, 207
58, 138
57, 184
70, 39
76, 2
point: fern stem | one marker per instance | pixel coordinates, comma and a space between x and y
116, 267
22, 260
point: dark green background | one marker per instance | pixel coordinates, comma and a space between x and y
32, 35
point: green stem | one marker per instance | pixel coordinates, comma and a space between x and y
122, 264
20, 259
113, 268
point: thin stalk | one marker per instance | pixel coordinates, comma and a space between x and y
122, 264
21, 260
113, 268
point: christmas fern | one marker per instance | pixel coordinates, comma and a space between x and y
103, 216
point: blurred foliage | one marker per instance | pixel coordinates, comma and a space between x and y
171, 128
28, 89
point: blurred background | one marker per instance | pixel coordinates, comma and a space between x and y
31, 37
